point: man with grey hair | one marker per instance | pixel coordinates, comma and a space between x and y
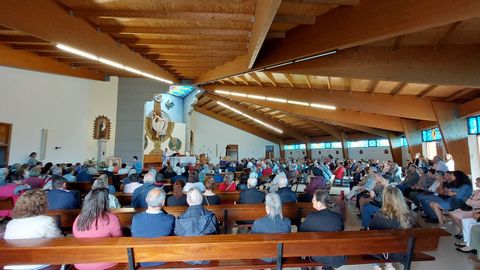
284, 191
251, 195
140, 194
154, 222
196, 220
273, 222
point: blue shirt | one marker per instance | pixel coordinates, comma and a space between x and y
463, 192
63, 199
140, 194
152, 225
269, 225
138, 166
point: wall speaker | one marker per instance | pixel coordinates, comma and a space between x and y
43, 144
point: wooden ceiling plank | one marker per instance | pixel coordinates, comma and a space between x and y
161, 15
399, 106
49, 21
396, 43
174, 31
327, 2
347, 27
27, 60
197, 43
329, 84
426, 91
231, 81
236, 124
331, 130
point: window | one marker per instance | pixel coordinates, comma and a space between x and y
328, 145
473, 124
404, 141
294, 147
336, 145
317, 145
357, 144
431, 135
383, 142
372, 143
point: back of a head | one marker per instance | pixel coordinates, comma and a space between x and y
57, 171
124, 165
149, 178
32, 203
34, 172
99, 183
322, 196
252, 182
94, 207
58, 182
228, 177
274, 205
395, 207
194, 197
461, 179
156, 198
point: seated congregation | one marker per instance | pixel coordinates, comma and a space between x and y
386, 198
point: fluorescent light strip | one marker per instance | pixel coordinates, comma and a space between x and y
279, 65
108, 62
298, 103
238, 94
321, 106
222, 92
257, 97
249, 117
315, 56
277, 99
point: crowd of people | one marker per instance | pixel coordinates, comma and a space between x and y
385, 196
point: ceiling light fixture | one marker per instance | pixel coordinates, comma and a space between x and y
279, 65
257, 97
238, 94
222, 92
315, 56
109, 62
250, 117
322, 106
277, 99
298, 103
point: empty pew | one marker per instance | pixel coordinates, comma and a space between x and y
225, 251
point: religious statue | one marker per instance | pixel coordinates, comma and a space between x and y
159, 125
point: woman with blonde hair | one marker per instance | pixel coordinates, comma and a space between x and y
394, 214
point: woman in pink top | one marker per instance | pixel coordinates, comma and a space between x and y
228, 183
96, 221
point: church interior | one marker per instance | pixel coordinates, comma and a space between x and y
346, 106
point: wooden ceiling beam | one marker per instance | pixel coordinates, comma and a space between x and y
287, 130
348, 27
189, 51
426, 91
271, 78
447, 36
243, 79
398, 88
398, 106
231, 81
372, 86
255, 77
307, 79
470, 108
49, 21
396, 43
331, 130
461, 93
27, 60
452, 65
162, 15
345, 116
265, 13
197, 43
247, 128
289, 79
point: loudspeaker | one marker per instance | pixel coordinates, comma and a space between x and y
43, 144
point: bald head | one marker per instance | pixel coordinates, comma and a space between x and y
156, 198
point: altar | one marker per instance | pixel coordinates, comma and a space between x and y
183, 160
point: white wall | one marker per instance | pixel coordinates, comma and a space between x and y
66, 106
212, 136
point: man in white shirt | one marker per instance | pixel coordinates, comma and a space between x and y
439, 165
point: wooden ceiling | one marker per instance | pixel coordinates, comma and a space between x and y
393, 58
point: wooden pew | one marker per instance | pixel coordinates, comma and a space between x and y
227, 214
82, 187
226, 251
6, 203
